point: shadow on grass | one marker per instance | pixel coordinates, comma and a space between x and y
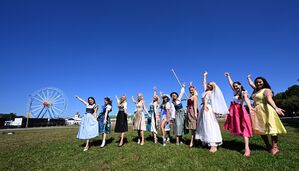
150, 138
239, 146
99, 142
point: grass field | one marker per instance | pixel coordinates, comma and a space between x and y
58, 149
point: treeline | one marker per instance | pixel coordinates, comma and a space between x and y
289, 100
8, 116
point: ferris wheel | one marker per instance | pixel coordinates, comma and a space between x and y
47, 102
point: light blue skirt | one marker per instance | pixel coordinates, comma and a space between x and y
89, 127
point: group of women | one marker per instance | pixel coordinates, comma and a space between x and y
200, 120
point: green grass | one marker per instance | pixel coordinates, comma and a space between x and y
58, 149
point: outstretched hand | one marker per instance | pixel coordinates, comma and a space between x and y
280, 111
226, 74
205, 73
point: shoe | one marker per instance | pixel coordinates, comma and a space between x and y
138, 142
86, 148
164, 141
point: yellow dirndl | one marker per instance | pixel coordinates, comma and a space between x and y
265, 120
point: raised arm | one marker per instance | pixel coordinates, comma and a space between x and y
269, 95
155, 91
230, 81
182, 92
251, 83
134, 101
161, 94
205, 80
81, 100
117, 99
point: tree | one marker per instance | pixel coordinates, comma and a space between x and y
9, 116
289, 100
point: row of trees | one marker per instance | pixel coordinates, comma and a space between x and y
289, 100
9, 116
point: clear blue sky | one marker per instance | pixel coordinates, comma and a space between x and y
108, 48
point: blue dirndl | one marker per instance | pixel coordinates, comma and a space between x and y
88, 127
102, 127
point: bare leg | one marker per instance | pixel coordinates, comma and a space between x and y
104, 140
121, 142
266, 141
177, 140
247, 149
142, 138
192, 138
86, 145
275, 149
163, 131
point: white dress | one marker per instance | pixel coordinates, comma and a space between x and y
208, 130
139, 119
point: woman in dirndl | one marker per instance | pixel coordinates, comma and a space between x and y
179, 125
89, 125
121, 125
139, 119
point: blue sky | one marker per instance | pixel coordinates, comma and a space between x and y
108, 48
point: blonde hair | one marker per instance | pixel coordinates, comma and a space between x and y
139, 95
195, 92
213, 84
156, 98
123, 99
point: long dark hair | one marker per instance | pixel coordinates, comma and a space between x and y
239, 93
108, 100
92, 99
165, 97
266, 84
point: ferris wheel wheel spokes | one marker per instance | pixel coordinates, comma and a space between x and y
49, 102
